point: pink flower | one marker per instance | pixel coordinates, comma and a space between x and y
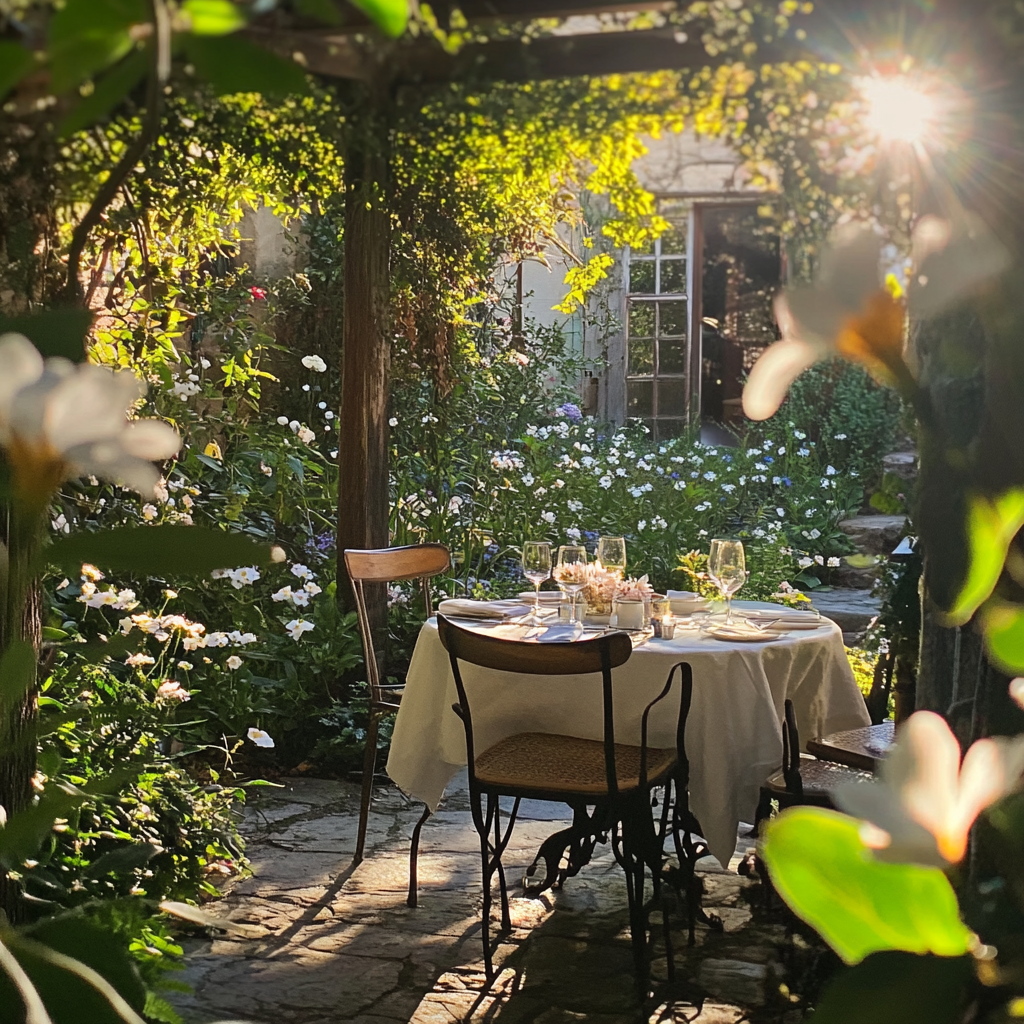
258, 293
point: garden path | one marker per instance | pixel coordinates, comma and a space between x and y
340, 945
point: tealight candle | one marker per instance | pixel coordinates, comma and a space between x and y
665, 627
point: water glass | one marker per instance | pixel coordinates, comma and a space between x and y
728, 568
611, 553
536, 568
569, 573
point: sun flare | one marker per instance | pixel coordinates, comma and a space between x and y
898, 109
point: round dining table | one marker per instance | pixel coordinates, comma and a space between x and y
733, 732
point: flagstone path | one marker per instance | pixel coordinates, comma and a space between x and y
339, 944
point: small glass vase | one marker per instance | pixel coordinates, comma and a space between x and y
630, 614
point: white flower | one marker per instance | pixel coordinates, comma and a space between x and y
642, 525
186, 665
61, 524
258, 736
573, 533
830, 471
803, 452
728, 488
548, 517
302, 571
265, 469
528, 479
833, 562
297, 627
150, 511
576, 506
393, 422
782, 448
300, 598
171, 690
282, 421
61, 420
840, 437
137, 660
819, 560
314, 363
244, 577
284, 594
780, 512
804, 562
233, 662
711, 476
925, 801
241, 638
605, 481
312, 589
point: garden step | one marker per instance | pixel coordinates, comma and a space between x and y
851, 610
874, 535
903, 464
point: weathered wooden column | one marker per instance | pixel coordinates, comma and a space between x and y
366, 346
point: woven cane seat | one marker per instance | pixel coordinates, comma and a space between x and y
819, 776
555, 763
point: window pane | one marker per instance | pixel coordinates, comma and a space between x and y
671, 398
641, 277
639, 397
671, 355
644, 249
673, 277
641, 319
673, 242
670, 428
641, 356
673, 318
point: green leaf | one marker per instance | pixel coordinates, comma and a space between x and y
232, 64
25, 831
124, 859
110, 90
15, 64
897, 988
17, 672
321, 10
1003, 626
87, 36
69, 997
859, 904
991, 526
186, 912
55, 332
157, 550
390, 16
213, 17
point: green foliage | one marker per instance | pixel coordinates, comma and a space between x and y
859, 904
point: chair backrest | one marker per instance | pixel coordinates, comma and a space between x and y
584, 657
390, 565
791, 752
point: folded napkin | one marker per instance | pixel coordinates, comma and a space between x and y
741, 634
683, 595
464, 608
789, 618
683, 601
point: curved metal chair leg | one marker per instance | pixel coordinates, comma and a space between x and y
369, 764
414, 854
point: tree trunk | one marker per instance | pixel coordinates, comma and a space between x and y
363, 418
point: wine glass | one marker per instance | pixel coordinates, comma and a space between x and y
611, 553
536, 568
569, 574
728, 568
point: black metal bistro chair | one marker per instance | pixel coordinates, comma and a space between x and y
382, 566
607, 784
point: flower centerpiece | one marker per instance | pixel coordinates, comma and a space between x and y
600, 588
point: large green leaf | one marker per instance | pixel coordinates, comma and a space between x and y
57, 953
17, 672
157, 550
110, 90
213, 17
991, 526
391, 16
897, 988
232, 64
25, 831
87, 36
15, 63
55, 332
1003, 626
859, 904
322, 10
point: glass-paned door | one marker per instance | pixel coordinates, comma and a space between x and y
657, 313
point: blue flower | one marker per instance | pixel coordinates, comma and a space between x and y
787, 481
600, 437
673, 476
727, 458
768, 459
571, 412
591, 534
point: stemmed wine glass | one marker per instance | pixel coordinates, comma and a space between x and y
569, 574
536, 568
727, 566
611, 553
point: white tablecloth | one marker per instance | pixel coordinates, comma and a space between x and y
733, 733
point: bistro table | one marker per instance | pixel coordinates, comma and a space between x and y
733, 733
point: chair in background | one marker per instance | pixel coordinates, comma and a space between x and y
614, 779
383, 566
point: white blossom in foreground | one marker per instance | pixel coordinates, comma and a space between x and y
314, 363
923, 805
297, 627
260, 738
234, 662
60, 420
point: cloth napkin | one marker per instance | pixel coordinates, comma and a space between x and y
464, 608
784, 616
740, 632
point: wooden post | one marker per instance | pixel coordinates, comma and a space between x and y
366, 351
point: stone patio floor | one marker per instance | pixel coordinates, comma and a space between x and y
332, 943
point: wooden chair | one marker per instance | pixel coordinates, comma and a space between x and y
383, 566
802, 779
614, 779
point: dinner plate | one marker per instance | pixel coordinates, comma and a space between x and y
741, 635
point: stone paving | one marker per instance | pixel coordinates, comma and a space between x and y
335, 944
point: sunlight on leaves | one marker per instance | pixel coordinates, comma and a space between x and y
391, 16
1003, 626
859, 904
212, 17
991, 526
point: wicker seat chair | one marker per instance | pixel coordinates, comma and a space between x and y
382, 566
607, 784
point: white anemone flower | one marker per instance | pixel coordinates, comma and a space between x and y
60, 420
849, 312
260, 738
923, 805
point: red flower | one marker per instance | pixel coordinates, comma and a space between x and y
258, 293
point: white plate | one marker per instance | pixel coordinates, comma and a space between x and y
733, 635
